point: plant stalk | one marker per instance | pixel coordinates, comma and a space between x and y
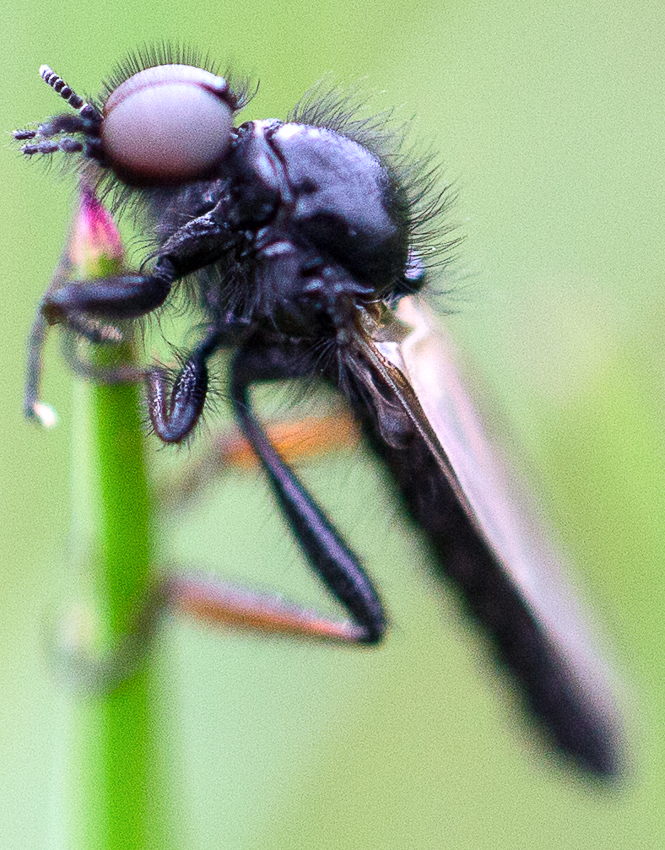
114, 784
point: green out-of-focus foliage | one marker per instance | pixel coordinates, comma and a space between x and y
549, 118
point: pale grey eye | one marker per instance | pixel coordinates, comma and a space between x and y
167, 124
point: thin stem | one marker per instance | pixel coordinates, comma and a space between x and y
114, 783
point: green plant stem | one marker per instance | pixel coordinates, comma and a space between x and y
114, 787
112, 738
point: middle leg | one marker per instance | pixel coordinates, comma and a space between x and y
327, 552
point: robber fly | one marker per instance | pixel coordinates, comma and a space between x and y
305, 242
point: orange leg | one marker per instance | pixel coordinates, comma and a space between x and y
216, 602
235, 607
238, 608
294, 440
213, 602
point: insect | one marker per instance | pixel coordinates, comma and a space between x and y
305, 243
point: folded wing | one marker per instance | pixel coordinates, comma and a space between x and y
403, 385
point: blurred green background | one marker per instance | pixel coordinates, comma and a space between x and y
550, 118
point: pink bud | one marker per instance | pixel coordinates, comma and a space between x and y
95, 245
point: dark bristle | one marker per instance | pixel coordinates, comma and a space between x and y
427, 198
165, 53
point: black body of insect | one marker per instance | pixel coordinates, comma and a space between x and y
302, 239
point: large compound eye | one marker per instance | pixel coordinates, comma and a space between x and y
167, 124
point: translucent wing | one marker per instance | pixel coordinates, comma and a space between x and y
404, 386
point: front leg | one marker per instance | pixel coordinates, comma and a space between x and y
83, 305
199, 243
125, 296
174, 411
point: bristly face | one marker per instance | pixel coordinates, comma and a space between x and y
164, 125
164, 121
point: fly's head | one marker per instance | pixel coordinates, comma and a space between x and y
166, 124
306, 222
